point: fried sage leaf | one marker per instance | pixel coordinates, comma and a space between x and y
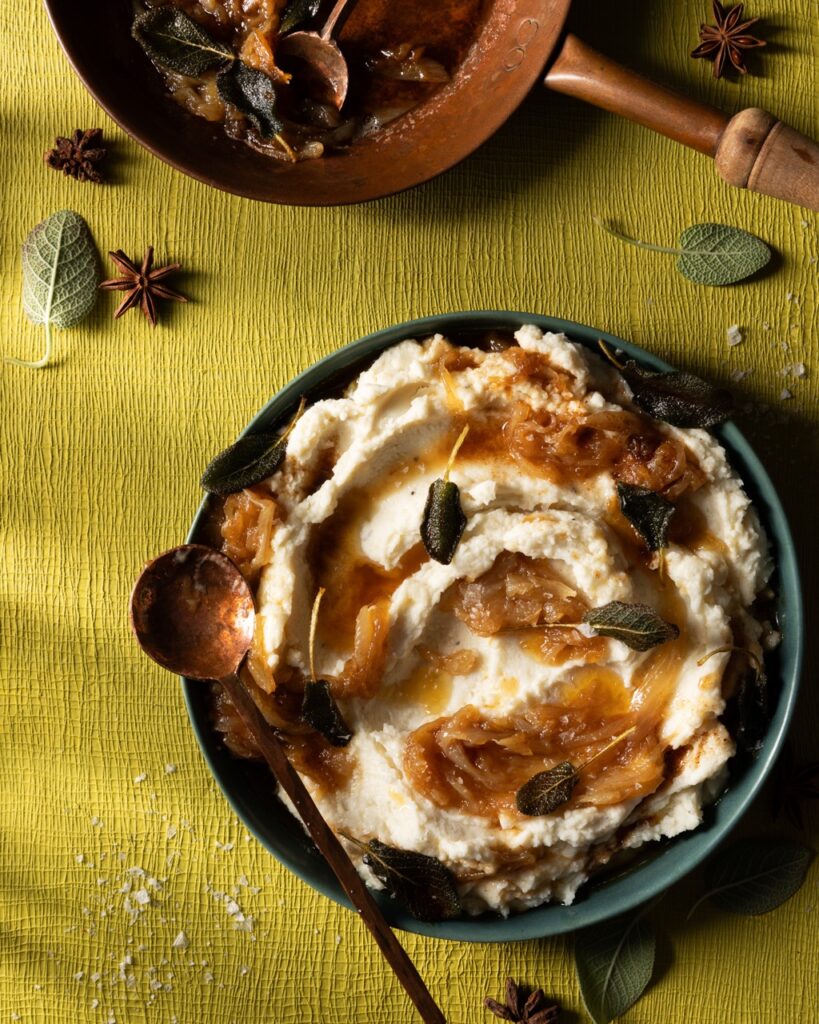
614, 962
444, 521
248, 461
251, 92
175, 41
297, 12
648, 512
753, 712
636, 625
548, 790
755, 876
320, 711
421, 884
679, 398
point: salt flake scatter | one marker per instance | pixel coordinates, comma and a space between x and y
143, 897
739, 375
181, 941
244, 969
785, 394
97, 822
734, 335
170, 769
139, 779
225, 847
79, 858
209, 979
79, 975
95, 1004
799, 370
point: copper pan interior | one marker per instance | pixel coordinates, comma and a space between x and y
509, 56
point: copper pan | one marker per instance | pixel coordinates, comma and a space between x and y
520, 39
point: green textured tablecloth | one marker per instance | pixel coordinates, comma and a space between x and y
100, 456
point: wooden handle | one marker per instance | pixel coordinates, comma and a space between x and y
333, 852
752, 150
762, 154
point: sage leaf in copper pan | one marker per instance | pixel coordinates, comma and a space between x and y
175, 41
297, 12
648, 512
679, 398
320, 711
252, 93
636, 625
421, 884
548, 790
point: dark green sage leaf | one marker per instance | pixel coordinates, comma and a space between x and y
648, 512
753, 713
60, 275
297, 12
248, 461
175, 41
681, 399
321, 713
444, 521
614, 962
421, 884
716, 254
251, 92
548, 790
755, 876
636, 625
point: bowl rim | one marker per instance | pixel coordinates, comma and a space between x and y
644, 881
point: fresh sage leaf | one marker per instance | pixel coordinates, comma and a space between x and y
320, 711
175, 41
715, 254
60, 275
297, 13
709, 254
648, 512
248, 461
251, 92
444, 521
614, 962
636, 625
679, 398
755, 876
421, 884
548, 790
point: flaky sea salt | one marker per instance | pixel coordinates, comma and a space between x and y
181, 941
140, 778
170, 769
79, 975
734, 335
143, 897
739, 375
785, 394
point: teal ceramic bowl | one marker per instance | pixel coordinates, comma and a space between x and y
249, 788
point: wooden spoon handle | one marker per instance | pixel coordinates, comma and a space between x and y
333, 852
753, 150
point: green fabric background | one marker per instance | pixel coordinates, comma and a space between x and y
99, 460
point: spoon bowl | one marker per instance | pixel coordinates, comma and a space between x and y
322, 60
193, 612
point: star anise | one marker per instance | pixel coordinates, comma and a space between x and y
795, 783
725, 42
142, 284
79, 155
536, 1008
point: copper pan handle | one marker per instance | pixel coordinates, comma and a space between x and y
752, 149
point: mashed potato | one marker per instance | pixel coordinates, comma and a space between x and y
460, 682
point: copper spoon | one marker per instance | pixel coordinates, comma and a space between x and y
193, 613
321, 53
